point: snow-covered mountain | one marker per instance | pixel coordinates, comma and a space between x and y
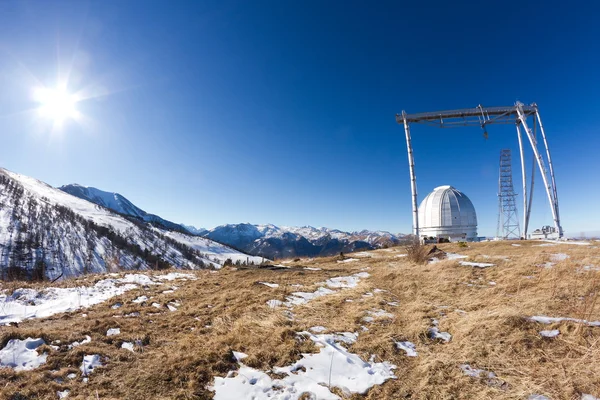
119, 204
276, 242
47, 232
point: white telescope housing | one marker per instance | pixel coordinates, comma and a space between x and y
449, 214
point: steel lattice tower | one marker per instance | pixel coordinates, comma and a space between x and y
508, 222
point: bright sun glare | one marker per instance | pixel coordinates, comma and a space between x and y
57, 104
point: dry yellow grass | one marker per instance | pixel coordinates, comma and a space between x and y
226, 311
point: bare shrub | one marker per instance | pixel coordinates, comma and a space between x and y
417, 252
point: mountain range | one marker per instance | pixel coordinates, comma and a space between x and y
284, 242
48, 233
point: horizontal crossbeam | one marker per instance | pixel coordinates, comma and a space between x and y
477, 116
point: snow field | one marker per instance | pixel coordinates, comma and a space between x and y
314, 374
22, 355
30, 303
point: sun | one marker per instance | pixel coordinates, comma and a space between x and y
56, 103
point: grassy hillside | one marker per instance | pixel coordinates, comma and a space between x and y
178, 354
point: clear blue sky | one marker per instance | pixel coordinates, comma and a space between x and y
284, 112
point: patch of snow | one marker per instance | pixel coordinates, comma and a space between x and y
318, 329
435, 333
84, 341
401, 255
588, 397
516, 245
393, 303
537, 397
346, 281
271, 285
454, 256
368, 319
550, 334
29, 303
408, 347
64, 394
298, 298
156, 305
71, 376
312, 269
546, 265
176, 275
476, 264
168, 291
559, 257
128, 346
239, 356
590, 268
476, 373
116, 305
380, 313
314, 374
140, 299
347, 260
550, 320
113, 331
132, 314
22, 355
274, 303
89, 363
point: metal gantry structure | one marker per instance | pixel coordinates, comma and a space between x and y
521, 115
508, 221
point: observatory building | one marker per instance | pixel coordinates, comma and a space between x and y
447, 213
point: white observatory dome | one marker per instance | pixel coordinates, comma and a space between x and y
447, 213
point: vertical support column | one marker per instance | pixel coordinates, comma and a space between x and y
524, 177
541, 165
532, 175
554, 192
413, 178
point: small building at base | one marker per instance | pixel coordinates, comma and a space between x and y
546, 232
447, 214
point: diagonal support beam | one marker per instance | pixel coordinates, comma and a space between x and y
542, 167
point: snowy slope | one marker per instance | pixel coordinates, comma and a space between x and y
117, 203
46, 231
215, 251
